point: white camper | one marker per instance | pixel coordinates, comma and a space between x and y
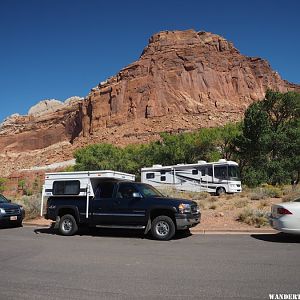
214, 177
76, 184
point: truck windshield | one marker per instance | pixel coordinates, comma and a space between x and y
234, 173
149, 191
3, 199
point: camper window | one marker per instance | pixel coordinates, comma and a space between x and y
195, 172
70, 187
162, 178
150, 175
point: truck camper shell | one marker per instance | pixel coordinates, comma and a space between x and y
78, 184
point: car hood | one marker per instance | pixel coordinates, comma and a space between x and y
9, 205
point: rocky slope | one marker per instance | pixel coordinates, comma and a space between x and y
183, 80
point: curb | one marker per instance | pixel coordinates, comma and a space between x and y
35, 225
194, 231
233, 231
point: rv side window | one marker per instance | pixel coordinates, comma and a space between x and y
209, 171
70, 187
195, 172
162, 172
150, 175
162, 178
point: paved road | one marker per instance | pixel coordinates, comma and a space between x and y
38, 264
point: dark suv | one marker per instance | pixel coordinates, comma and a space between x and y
10, 213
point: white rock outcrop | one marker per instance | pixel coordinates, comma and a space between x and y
45, 107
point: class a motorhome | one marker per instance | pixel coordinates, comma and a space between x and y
213, 177
78, 184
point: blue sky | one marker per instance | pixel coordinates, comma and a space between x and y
62, 48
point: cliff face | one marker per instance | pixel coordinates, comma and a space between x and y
182, 81
180, 73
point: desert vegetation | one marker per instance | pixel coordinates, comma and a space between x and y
265, 144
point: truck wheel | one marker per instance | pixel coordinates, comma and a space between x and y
163, 228
67, 225
220, 191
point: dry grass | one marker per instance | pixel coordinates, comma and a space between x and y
257, 218
239, 211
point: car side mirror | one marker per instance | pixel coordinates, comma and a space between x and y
136, 195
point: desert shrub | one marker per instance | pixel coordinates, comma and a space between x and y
291, 197
273, 191
258, 218
213, 206
200, 196
258, 195
32, 205
241, 203
262, 204
266, 191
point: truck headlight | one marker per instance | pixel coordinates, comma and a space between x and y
184, 208
2, 211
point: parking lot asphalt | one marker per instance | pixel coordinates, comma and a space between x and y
36, 263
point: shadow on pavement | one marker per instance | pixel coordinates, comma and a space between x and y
111, 233
10, 226
277, 238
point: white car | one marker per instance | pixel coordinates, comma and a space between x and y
285, 217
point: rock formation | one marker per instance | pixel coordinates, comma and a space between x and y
183, 80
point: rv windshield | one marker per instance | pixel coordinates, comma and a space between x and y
234, 173
149, 191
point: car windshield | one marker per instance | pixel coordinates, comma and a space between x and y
149, 191
3, 199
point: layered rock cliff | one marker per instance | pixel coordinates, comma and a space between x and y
183, 80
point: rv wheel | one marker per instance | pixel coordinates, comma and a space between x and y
67, 225
220, 191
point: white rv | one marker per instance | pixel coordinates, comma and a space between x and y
77, 183
214, 177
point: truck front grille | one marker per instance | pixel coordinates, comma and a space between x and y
13, 211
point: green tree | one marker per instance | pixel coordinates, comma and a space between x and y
269, 144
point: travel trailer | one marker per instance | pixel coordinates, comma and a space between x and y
214, 177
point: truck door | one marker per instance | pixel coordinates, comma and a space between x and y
102, 204
129, 205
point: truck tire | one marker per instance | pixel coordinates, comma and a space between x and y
163, 228
67, 225
220, 191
